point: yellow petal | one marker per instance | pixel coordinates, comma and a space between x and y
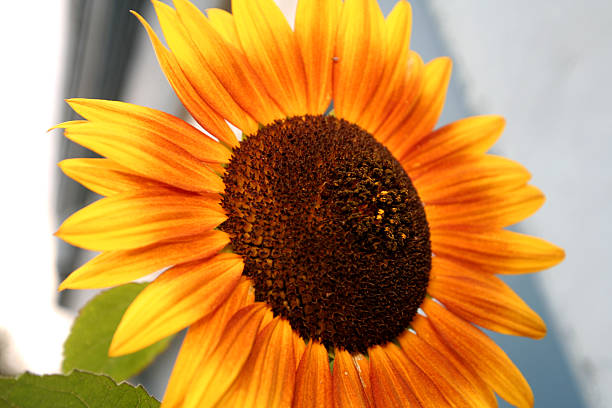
451, 383
223, 23
405, 92
474, 135
483, 299
421, 119
398, 27
349, 382
119, 267
360, 57
467, 178
197, 70
268, 376
315, 29
177, 298
426, 332
219, 370
206, 116
502, 210
272, 50
313, 388
399, 62
389, 383
499, 251
159, 124
146, 154
482, 354
106, 177
229, 65
137, 219
201, 340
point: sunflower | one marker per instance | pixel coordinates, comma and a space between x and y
330, 257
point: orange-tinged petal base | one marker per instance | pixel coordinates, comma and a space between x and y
217, 372
201, 340
313, 388
268, 376
350, 384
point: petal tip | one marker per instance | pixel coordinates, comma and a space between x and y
541, 332
119, 346
557, 255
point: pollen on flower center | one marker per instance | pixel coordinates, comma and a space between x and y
332, 232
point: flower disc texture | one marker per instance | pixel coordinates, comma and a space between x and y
323, 259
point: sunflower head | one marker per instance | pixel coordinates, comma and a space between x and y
320, 259
332, 232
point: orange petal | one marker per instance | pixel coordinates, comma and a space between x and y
362, 364
360, 57
315, 29
404, 96
176, 299
119, 267
268, 376
229, 65
201, 340
267, 319
299, 347
146, 154
421, 119
137, 219
451, 383
482, 354
389, 382
313, 383
348, 382
206, 116
499, 251
105, 177
483, 299
272, 50
426, 332
474, 135
469, 178
197, 70
159, 124
422, 385
504, 209
219, 370
398, 64
223, 23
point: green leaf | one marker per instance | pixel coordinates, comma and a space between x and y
77, 390
86, 347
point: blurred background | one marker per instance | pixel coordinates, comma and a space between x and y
543, 65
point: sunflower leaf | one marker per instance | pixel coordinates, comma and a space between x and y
86, 348
76, 390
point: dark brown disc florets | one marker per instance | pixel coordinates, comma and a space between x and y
333, 234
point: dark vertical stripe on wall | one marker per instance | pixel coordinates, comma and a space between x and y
100, 39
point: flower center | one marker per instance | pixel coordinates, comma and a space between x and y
332, 232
